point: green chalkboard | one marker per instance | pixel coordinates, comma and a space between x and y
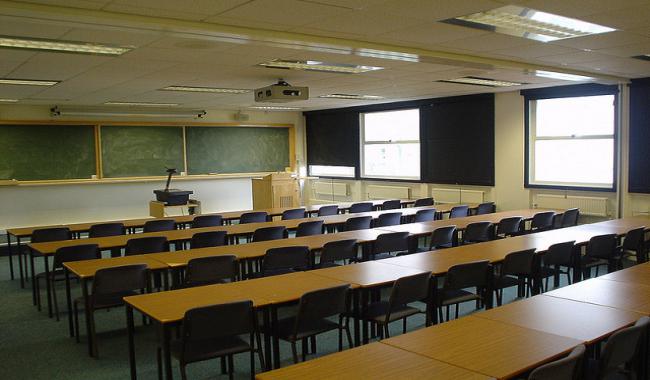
140, 151
47, 152
236, 149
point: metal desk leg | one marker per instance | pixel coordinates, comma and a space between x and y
130, 328
68, 300
356, 313
87, 316
167, 357
11, 258
266, 314
33, 270
48, 287
364, 308
21, 268
276, 340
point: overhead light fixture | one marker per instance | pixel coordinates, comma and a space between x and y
351, 96
476, 81
216, 90
130, 112
28, 82
561, 76
275, 108
143, 104
529, 23
327, 67
8, 100
62, 46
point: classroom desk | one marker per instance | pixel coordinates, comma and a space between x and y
85, 270
492, 348
375, 361
267, 293
638, 274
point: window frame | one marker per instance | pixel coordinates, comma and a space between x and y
568, 92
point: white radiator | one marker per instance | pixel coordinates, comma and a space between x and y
457, 195
595, 206
339, 189
388, 192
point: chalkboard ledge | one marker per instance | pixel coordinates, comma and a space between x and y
103, 181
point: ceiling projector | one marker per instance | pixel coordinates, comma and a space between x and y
281, 92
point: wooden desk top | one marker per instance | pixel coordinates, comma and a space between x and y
367, 273
578, 320
373, 361
489, 347
87, 268
628, 222
638, 274
621, 295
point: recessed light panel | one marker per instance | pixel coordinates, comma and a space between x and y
529, 23
215, 90
275, 108
28, 82
61, 46
327, 67
8, 100
476, 81
143, 104
561, 76
352, 96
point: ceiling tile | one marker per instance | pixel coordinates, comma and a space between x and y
114, 37
486, 42
57, 66
283, 12
534, 50
364, 23
602, 41
433, 10
154, 12
202, 7
431, 33
11, 26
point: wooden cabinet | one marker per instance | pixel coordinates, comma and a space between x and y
276, 190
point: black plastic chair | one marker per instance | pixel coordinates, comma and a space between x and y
405, 290
486, 208
44, 235
511, 226
210, 270
216, 331
557, 257
477, 232
442, 237
517, 269
568, 368
316, 309
270, 233
557, 221
253, 217
208, 239
458, 212
361, 207
298, 213
152, 244
341, 250
425, 216
328, 210
106, 229
459, 278
389, 219
634, 245
601, 250
285, 260
159, 225
201, 221
110, 286
357, 223
386, 245
423, 202
542, 221
310, 228
570, 217
393, 204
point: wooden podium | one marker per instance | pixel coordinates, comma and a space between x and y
276, 190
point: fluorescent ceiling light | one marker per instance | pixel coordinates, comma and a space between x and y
319, 66
28, 82
529, 23
275, 108
129, 112
561, 76
352, 96
482, 82
207, 89
61, 46
143, 104
8, 100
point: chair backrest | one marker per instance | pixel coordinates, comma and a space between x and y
467, 275
106, 229
635, 240
409, 289
286, 258
391, 242
442, 237
338, 250
557, 220
269, 233
485, 208
622, 347
208, 239
458, 211
567, 368
423, 202
320, 304
361, 207
152, 244
570, 217
253, 217
297, 213
314, 227
425, 216
393, 204
559, 254
543, 220
76, 253
207, 221
357, 223
389, 219
122, 279
328, 210
209, 323
159, 225
602, 246
210, 270
510, 226
519, 263
44, 235
477, 232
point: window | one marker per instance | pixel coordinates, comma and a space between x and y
331, 171
572, 141
390, 144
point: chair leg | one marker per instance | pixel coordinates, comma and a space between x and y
159, 363
340, 330
386, 332
349, 335
304, 349
457, 307
76, 321
231, 367
224, 368
183, 372
404, 326
313, 344
259, 350
38, 293
294, 352
93, 334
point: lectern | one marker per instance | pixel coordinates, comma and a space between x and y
276, 190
